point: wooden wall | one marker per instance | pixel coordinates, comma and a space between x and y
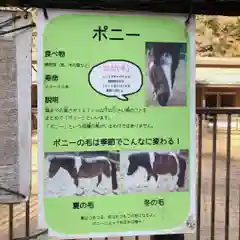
200, 92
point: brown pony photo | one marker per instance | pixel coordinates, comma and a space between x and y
100, 168
166, 74
148, 169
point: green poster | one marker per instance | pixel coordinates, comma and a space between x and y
117, 124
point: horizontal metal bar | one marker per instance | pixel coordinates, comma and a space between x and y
230, 7
12, 192
18, 29
168, 237
34, 236
231, 110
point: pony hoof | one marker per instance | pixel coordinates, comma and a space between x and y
116, 192
174, 190
79, 194
97, 192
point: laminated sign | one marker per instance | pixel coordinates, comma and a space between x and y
117, 121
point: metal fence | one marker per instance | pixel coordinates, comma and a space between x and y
223, 196
221, 184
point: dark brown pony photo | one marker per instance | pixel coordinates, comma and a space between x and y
166, 74
173, 164
95, 168
87, 165
66, 163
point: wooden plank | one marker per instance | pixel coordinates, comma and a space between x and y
213, 62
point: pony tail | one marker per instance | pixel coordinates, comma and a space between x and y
182, 171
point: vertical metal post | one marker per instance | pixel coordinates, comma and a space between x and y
239, 212
27, 218
199, 186
214, 150
227, 195
10, 222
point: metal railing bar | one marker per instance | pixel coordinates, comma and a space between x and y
201, 110
34, 236
239, 212
227, 197
10, 222
27, 218
214, 150
168, 237
200, 118
12, 192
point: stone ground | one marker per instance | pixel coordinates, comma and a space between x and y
205, 198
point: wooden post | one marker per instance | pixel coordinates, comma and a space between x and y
168, 237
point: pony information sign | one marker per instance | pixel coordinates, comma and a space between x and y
117, 124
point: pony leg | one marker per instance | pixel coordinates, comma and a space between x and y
76, 182
99, 179
114, 176
79, 191
175, 188
182, 171
154, 94
148, 177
